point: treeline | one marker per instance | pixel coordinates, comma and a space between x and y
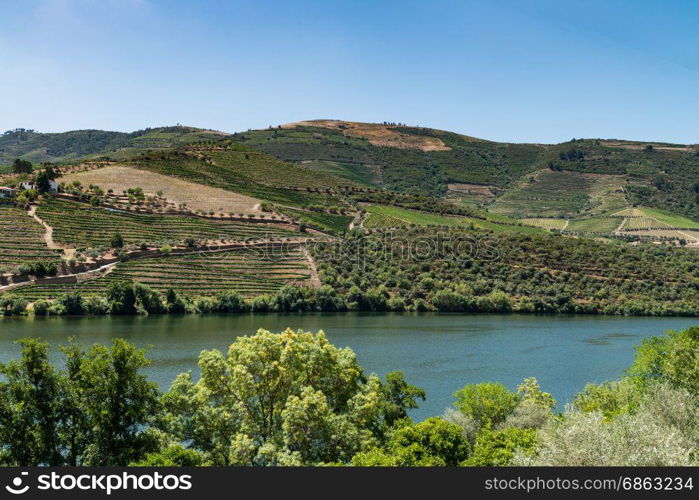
318, 407
132, 298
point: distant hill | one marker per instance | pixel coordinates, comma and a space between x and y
581, 177
58, 147
477, 171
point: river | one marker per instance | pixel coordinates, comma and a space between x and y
438, 352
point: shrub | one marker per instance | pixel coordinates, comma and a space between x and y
432, 442
657, 434
497, 447
488, 403
72, 303
41, 308
117, 241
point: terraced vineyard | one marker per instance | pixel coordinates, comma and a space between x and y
545, 223
655, 219
251, 173
645, 223
251, 271
595, 225
21, 239
325, 222
553, 194
381, 216
79, 225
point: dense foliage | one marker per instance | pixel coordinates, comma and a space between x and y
455, 270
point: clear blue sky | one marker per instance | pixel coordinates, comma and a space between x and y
524, 71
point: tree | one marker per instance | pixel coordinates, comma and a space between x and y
277, 399
672, 358
30, 413
20, 166
73, 302
116, 400
174, 303
399, 398
432, 442
96, 411
121, 298
488, 403
51, 172
117, 240
497, 447
42, 182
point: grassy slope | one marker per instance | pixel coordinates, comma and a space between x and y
381, 216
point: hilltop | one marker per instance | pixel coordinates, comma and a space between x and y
608, 174
60, 147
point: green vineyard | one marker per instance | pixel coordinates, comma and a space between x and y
21, 239
251, 271
382, 216
595, 225
79, 225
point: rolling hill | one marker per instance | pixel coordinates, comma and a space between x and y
298, 217
439, 163
60, 147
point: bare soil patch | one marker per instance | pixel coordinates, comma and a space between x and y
378, 134
177, 191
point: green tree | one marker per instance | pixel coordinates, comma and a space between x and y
673, 358
277, 399
498, 447
121, 298
20, 166
42, 182
30, 408
117, 241
488, 403
399, 398
73, 303
117, 400
94, 412
432, 442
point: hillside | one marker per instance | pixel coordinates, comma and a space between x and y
297, 218
473, 171
59, 147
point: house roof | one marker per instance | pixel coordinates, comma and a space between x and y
5, 188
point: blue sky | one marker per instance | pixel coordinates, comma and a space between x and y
523, 71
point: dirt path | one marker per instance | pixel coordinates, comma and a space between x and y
48, 235
565, 226
621, 226
315, 278
689, 237
98, 272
